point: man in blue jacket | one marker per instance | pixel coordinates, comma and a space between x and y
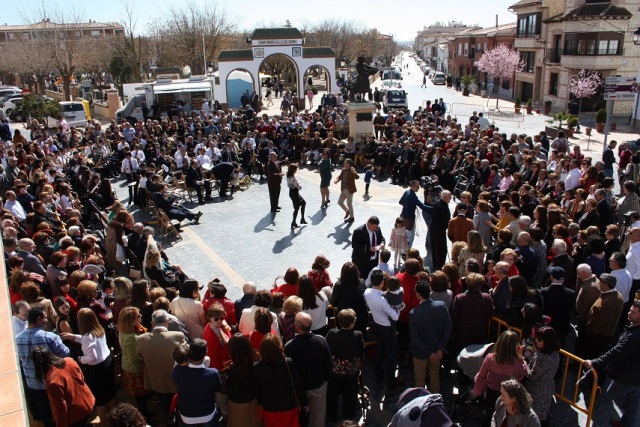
410, 202
621, 365
428, 344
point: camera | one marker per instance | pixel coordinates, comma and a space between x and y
431, 188
631, 217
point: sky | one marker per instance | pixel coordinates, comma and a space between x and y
401, 19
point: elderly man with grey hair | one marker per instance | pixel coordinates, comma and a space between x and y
501, 294
562, 259
155, 349
32, 263
527, 259
588, 293
524, 222
249, 291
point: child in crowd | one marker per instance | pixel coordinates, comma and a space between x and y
399, 241
394, 296
181, 357
367, 178
385, 256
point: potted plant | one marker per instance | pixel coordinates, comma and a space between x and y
529, 106
601, 119
518, 105
547, 107
449, 80
466, 81
587, 131
538, 107
572, 122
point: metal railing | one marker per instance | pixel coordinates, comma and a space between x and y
466, 110
505, 114
573, 402
496, 327
574, 51
499, 325
553, 56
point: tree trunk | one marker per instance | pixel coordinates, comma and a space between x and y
66, 86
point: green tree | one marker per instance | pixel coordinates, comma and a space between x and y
37, 107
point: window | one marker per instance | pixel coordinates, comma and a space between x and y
553, 84
529, 24
529, 59
466, 48
96, 33
459, 48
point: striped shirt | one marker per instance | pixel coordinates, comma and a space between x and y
30, 339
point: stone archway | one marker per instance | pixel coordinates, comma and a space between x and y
266, 42
317, 78
240, 80
276, 64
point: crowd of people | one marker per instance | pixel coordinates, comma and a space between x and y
539, 239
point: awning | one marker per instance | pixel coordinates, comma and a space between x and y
182, 87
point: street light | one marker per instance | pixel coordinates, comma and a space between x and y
636, 36
343, 61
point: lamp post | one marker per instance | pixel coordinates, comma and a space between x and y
636, 36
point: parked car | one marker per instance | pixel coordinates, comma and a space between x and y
10, 103
394, 99
76, 113
439, 79
9, 90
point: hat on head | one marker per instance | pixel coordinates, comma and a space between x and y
609, 279
557, 272
461, 207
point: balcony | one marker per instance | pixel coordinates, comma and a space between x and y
553, 56
590, 52
595, 59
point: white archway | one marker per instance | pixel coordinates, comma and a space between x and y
266, 42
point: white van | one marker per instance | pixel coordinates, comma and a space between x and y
75, 113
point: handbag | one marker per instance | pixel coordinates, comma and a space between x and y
135, 273
303, 415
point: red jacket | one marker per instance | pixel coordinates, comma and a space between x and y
229, 308
218, 353
69, 396
409, 298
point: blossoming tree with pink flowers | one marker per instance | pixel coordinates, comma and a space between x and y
584, 84
500, 63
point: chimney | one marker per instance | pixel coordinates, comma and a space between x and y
496, 20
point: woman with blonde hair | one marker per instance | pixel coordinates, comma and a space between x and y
96, 362
506, 361
122, 297
475, 249
286, 319
130, 327
456, 249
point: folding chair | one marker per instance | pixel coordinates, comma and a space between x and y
167, 225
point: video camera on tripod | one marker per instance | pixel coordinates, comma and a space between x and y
431, 188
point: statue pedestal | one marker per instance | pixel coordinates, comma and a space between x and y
360, 119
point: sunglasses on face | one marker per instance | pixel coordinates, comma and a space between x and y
217, 319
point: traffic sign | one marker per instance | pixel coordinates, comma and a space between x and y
617, 87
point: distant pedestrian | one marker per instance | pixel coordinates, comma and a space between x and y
367, 178
424, 81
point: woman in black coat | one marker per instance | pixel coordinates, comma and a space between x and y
347, 355
348, 292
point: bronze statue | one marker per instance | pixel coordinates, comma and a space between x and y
359, 86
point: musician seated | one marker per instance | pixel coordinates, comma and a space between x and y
195, 180
165, 202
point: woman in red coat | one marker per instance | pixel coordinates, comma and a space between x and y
217, 292
408, 280
71, 399
290, 285
217, 334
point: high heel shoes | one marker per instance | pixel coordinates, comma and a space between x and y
303, 221
294, 225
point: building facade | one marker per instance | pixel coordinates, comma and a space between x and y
432, 43
46, 28
557, 39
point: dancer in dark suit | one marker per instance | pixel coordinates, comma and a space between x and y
165, 201
438, 230
367, 241
195, 180
274, 181
223, 172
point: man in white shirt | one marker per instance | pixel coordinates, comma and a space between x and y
19, 319
483, 122
618, 262
573, 177
386, 345
383, 266
130, 168
13, 206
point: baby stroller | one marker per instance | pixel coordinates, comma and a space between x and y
469, 362
419, 408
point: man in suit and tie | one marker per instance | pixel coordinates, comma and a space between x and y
591, 216
605, 210
155, 349
274, 180
437, 235
195, 180
559, 302
367, 241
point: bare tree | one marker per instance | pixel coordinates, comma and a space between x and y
65, 44
26, 58
132, 51
179, 40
